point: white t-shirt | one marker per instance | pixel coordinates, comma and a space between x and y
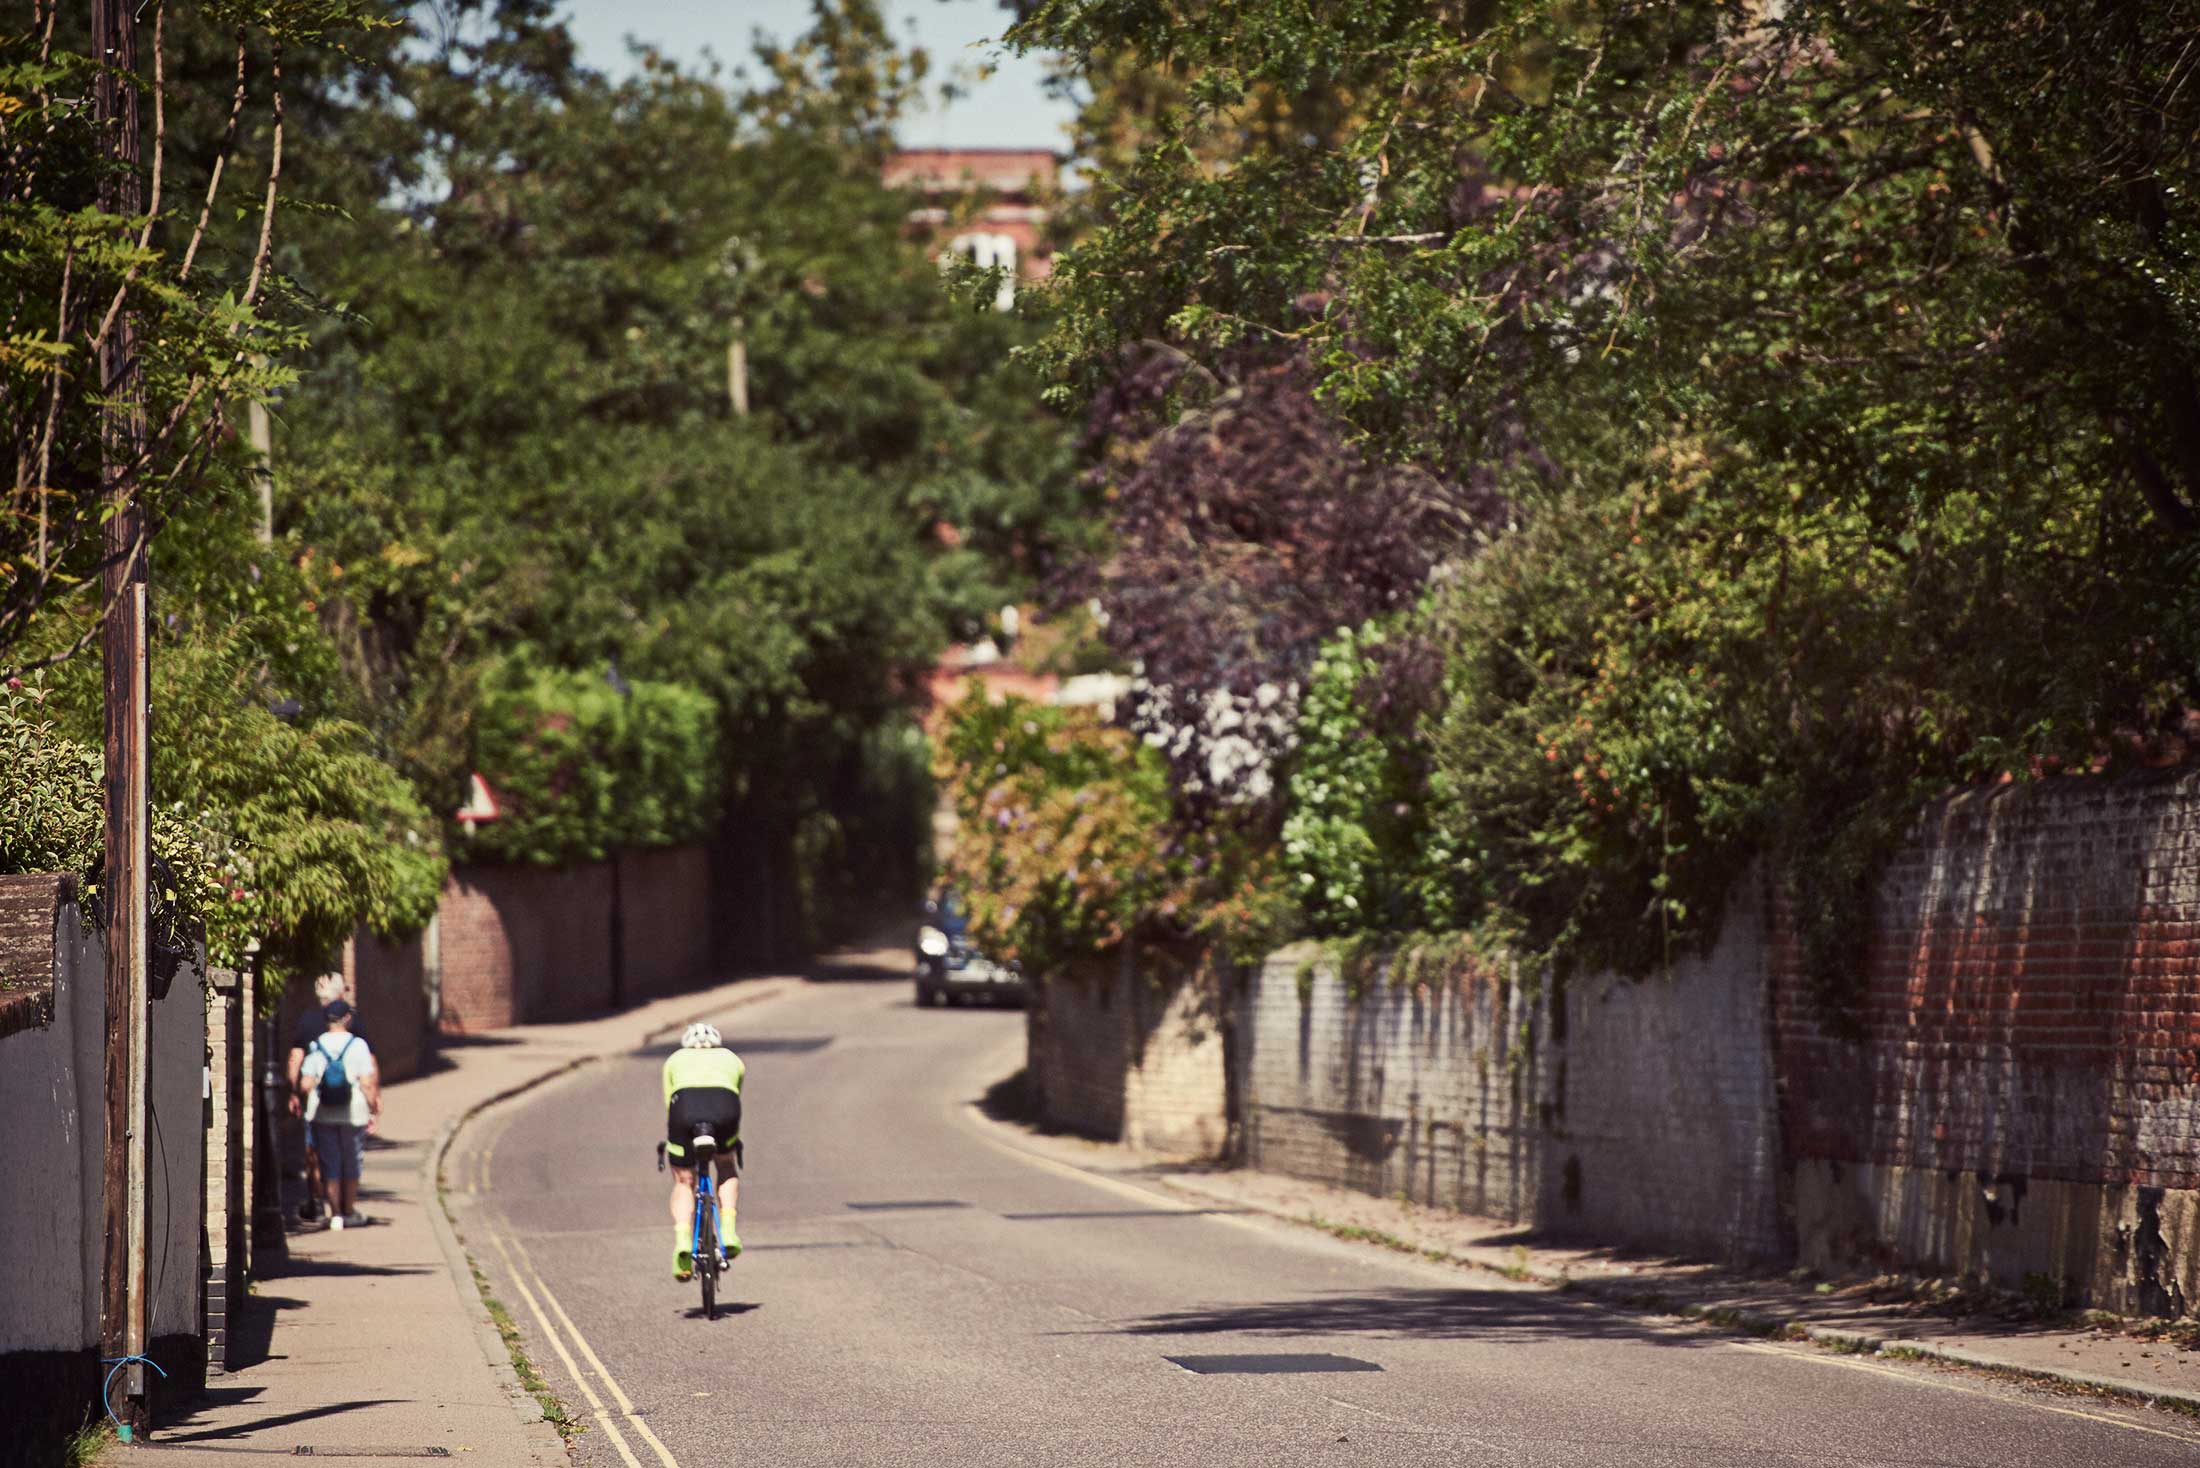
358, 1066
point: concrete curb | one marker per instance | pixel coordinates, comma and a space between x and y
540, 1433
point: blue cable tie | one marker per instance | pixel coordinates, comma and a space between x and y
122, 1429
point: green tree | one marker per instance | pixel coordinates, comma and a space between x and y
193, 272
1837, 367
517, 440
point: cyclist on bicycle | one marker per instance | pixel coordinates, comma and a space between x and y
702, 1093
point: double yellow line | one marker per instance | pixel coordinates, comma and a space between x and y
535, 1293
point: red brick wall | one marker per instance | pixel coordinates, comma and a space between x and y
524, 944
2033, 995
383, 980
519, 945
665, 925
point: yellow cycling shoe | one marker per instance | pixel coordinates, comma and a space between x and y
683, 1265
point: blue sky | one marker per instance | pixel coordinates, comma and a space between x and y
1006, 109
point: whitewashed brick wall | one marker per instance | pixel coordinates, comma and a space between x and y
1130, 1052
1636, 1111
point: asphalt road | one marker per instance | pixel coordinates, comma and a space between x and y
917, 1290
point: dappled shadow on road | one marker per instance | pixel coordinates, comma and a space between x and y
252, 1328
865, 966
1013, 1099
435, 1057
1513, 1317
745, 1046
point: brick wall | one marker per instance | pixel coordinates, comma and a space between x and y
520, 945
2022, 1096
665, 926
1401, 1090
2015, 1098
524, 944
1666, 1125
383, 980
1133, 1050
1635, 1111
228, 1218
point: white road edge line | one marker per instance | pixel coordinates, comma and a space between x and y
1926, 1379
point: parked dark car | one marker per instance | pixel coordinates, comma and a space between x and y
949, 968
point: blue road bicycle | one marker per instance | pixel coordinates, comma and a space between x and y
702, 1152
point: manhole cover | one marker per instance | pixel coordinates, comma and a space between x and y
907, 1203
1122, 1213
785, 1045
1278, 1365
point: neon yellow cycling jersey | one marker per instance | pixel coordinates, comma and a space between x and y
716, 1066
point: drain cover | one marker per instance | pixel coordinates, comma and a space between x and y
907, 1203
1280, 1365
366, 1450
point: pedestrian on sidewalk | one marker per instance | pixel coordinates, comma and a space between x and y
342, 1094
311, 1025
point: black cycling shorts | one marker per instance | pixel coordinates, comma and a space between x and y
713, 1109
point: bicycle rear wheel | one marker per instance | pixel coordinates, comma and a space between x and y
706, 1250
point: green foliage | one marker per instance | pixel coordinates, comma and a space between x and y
1359, 847
517, 439
289, 833
317, 837
579, 768
1062, 845
188, 267
1666, 674
1067, 843
50, 789
51, 798
1839, 366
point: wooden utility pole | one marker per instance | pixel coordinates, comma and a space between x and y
737, 369
261, 434
122, 656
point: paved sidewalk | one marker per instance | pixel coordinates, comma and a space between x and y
1839, 1315
379, 1343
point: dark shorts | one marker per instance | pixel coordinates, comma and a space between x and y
713, 1109
340, 1147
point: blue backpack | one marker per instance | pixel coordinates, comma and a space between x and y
335, 1085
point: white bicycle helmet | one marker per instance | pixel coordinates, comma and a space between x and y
701, 1037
